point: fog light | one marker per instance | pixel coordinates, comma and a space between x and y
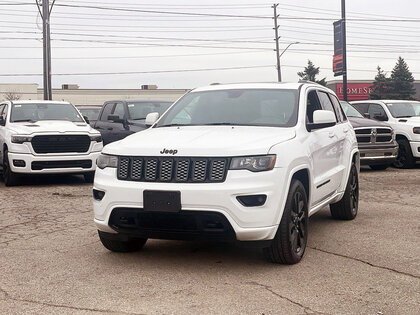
98, 194
252, 201
19, 163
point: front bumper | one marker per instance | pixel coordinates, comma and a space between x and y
248, 223
373, 154
52, 164
415, 149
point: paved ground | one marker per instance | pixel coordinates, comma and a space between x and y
52, 262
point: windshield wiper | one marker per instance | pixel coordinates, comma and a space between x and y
173, 125
25, 120
221, 124
407, 116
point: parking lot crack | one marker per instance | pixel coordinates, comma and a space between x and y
10, 297
366, 262
306, 309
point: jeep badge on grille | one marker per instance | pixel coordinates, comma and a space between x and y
171, 151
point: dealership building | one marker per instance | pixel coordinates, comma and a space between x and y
356, 90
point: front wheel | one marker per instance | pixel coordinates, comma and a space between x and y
122, 246
348, 206
405, 158
289, 244
10, 178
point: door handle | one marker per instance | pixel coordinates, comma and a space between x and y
345, 130
110, 128
331, 134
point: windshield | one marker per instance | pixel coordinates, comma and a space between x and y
349, 110
91, 114
252, 107
141, 109
406, 109
50, 111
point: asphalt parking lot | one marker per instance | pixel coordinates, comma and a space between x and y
51, 260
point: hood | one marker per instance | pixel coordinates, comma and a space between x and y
201, 141
357, 122
50, 126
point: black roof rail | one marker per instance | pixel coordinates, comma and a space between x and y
307, 81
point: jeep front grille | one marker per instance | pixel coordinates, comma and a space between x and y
179, 169
373, 135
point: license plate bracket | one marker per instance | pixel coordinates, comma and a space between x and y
162, 200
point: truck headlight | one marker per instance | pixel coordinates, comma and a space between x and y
416, 130
105, 160
97, 138
21, 139
253, 163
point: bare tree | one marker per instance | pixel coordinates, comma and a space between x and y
12, 96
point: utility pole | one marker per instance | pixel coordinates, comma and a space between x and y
343, 28
46, 45
276, 31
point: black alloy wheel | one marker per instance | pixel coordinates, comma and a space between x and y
298, 224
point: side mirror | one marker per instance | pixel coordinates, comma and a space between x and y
151, 118
2, 121
115, 119
322, 119
366, 115
380, 117
86, 119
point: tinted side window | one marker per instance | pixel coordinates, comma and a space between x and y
326, 103
2, 106
377, 112
119, 110
338, 109
107, 111
313, 104
362, 108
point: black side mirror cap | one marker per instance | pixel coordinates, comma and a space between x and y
86, 119
2, 121
115, 118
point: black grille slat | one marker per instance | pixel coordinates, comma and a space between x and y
61, 143
179, 169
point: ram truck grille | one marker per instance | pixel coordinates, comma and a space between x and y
373, 135
61, 143
178, 170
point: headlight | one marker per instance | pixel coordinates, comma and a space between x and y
416, 130
97, 138
253, 163
105, 160
21, 139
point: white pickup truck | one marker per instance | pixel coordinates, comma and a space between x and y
44, 137
245, 162
404, 118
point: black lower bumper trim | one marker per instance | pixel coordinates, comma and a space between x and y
183, 225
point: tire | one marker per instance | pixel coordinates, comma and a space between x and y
379, 167
348, 206
10, 178
120, 246
289, 244
405, 158
89, 177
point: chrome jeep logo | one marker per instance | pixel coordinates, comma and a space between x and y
166, 151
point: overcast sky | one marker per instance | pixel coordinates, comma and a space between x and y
93, 40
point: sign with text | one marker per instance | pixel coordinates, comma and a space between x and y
338, 65
355, 91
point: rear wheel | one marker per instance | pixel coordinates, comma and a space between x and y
379, 167
289, 244
10, 178
347, 207
405, 158
122, 246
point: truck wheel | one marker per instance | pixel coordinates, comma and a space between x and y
115, 245
347, 207
405, 158
89, 177
288, 246
10, 178
379, 167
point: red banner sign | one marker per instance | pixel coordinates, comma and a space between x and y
355, 91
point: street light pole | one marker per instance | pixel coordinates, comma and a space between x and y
276, 31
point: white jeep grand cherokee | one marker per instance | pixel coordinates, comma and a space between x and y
247, 162
40, 137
